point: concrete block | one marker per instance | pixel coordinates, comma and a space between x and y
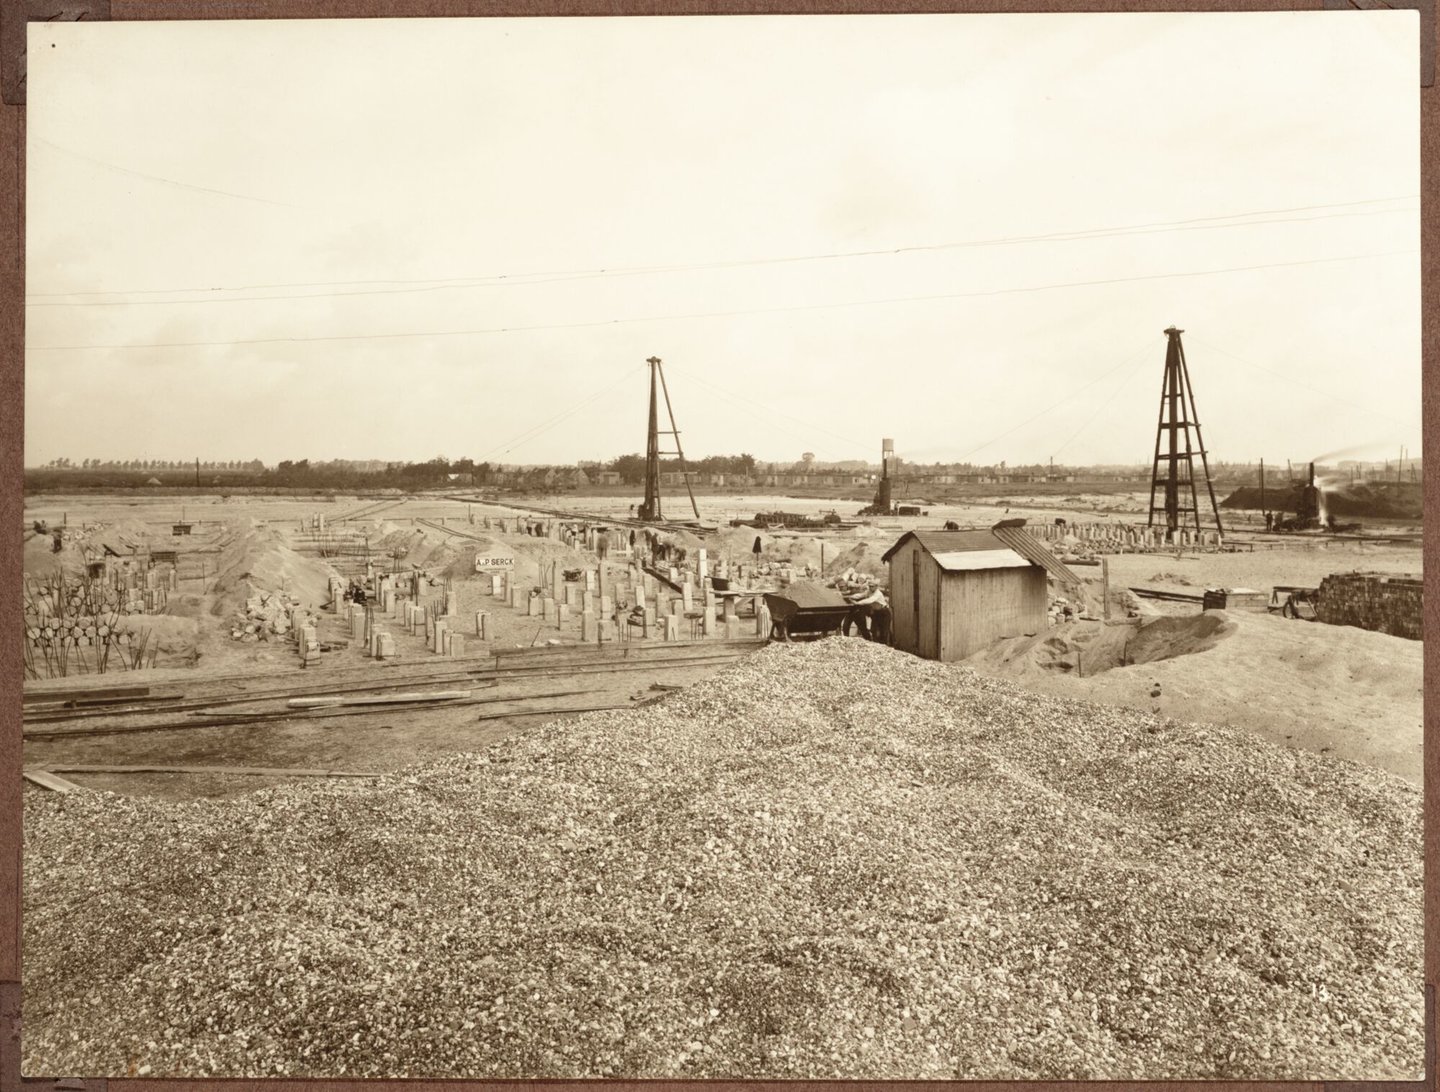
708, 621
607, 630
482, 619
589, 626
533, 606
672, 628
607, 606
562, 613
547, 606
437, 637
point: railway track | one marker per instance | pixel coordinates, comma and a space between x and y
591, 517
452, 530
369, 511
152, 712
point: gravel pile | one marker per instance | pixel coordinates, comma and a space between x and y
830, 860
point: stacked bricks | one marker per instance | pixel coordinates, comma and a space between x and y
1384, 602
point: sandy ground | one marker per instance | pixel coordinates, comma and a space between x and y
1353, 693
1263, 569
1333, 689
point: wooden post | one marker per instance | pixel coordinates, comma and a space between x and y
1105, 587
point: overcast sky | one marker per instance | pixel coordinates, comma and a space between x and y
402, 238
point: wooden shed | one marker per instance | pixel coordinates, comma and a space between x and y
953, 592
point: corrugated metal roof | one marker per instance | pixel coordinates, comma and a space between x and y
1007, 537
970, 560
1028, 546
946, 542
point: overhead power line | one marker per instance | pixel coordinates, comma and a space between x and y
752, 404
1291, 381
535, 431
160, 178
982, 293
1206, 223
1069, 399
1104, 403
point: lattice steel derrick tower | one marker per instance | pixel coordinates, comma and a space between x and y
1174, 451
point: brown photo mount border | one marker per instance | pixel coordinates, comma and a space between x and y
14, 17
15, 14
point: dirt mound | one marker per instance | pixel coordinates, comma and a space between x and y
863, 558
172, 640
818, 864
463, 564
129, 531
1090, 648
255, 560
1178, 635
402, 538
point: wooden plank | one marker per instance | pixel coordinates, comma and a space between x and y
1177, 597
47, 780
513, 714
238, 719
386, 699
247, 771
85, 694
541, 668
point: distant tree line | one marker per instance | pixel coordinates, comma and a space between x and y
254, 466
631, 468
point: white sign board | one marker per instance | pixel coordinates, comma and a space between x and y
484, 563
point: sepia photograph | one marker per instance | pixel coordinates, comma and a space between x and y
847, 547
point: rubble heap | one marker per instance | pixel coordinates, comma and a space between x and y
830, 860
265, 613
